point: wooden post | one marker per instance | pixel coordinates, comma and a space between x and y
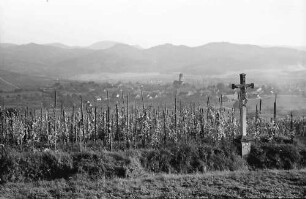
143, 106
274, 111
303, 125
111, 135
127, 113
95, 136
73, 132
64, 124
127, 122
54, 115
165, 131
107, 98
117, 125
207, 113
2, 124
108, 123
62, 108
246, 145
82, 120
122, 97
108, 118
291, 122
180, 107
175, 117
48, 125
103, 127
41, 119
135, 128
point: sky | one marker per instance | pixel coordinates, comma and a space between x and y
153, 22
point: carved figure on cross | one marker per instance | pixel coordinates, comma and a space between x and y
243, 86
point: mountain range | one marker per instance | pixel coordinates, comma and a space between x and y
62, 61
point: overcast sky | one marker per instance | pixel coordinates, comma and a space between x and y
153, 22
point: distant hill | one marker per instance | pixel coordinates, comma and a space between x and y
35, 59
111, 57
59, 45
10, 81
101, 45
5, 45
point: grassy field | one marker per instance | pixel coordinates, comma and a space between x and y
285, 104
245, 184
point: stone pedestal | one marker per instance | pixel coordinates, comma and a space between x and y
243, 145
245, 148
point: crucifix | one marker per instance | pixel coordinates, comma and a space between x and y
242, 106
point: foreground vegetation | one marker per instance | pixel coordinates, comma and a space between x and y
246, 184
184, 169
182, 158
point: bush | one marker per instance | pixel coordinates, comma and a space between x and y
98, 164
274, 156
7, 165
303, 158
157, 160
180, 158
190, 158
16, 166
56, 165
89, 163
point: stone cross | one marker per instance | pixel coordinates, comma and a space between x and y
242, 105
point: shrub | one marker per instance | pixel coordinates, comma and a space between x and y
302, 162
56, 165
190, 158
157, 160
88, 162
274, 156
16, 166
101, 164
7, 165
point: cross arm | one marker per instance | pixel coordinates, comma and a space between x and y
251, 85
244, 85
235, 86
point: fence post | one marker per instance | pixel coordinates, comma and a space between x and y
95, 136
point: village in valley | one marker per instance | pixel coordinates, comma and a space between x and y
154, 92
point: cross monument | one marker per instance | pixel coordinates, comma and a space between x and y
246, 145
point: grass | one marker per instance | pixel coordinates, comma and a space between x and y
245, 184
285, 104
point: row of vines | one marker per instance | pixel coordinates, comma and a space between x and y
123, 125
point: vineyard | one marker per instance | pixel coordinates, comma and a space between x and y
128, 125
78, 150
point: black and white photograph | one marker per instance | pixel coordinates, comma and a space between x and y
103, 99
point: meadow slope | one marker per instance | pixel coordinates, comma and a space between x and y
245, 184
